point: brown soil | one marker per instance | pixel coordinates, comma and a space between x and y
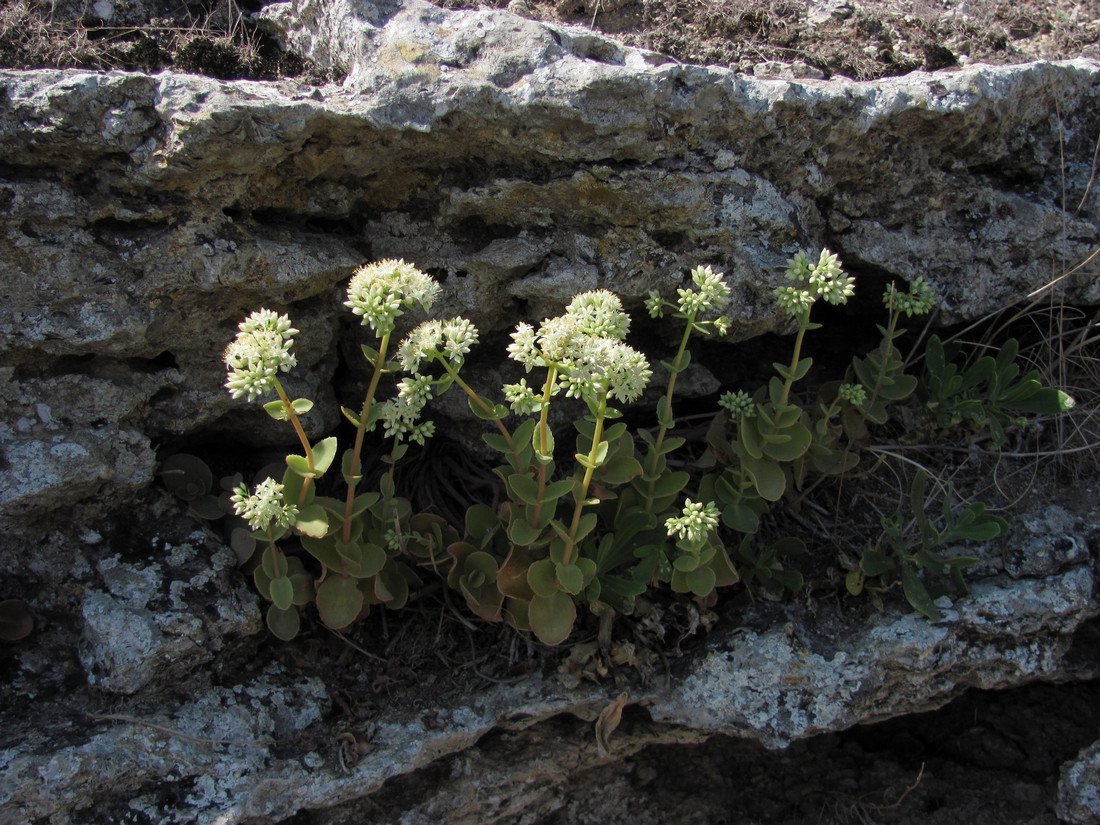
860, 39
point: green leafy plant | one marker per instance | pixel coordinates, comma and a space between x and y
597, 524
986, 395
908, 547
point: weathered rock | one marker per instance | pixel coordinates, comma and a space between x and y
1079, 788
159, 622
519, 162
773, 674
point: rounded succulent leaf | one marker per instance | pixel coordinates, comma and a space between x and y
282, 592
284, 624
552, 617
186, 476
339, 601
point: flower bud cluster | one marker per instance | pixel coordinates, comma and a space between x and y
377, 292
824, 279
265, 507
695, 522
738, 404
854, 394
522, 399
259, 352
919, 300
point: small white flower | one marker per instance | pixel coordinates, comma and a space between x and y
416, 391
422, 431
825, 279
259, 352
606, 366
696, 521
523, 347
450, 339
559, 339
710, 295
264, 507
422, 342
794, 300
459, 335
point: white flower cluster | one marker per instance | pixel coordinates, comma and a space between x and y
599, 313
260, 350
264, 507
919, 300
696, 521
451, 339
824, 279
377, 292
606, 366
585, 345
399, 415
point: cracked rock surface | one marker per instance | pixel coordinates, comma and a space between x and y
518, 162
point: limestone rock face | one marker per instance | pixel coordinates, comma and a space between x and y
519, 163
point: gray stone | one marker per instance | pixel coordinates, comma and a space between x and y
1079, 788
519, 161
159, 622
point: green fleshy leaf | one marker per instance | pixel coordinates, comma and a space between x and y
274, 563
282, 592
497, 442
570, 578
701, 581
767, 476
585, 526
523, 488
207, 507
300, 465
323, 454
917, 595
312, 521
522, 533
671, 444
557, 489
876, 563
552, 617
283, 624
664, 414
186, 476
542, 576
351, 478
277, 410
495, 413
339, 601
